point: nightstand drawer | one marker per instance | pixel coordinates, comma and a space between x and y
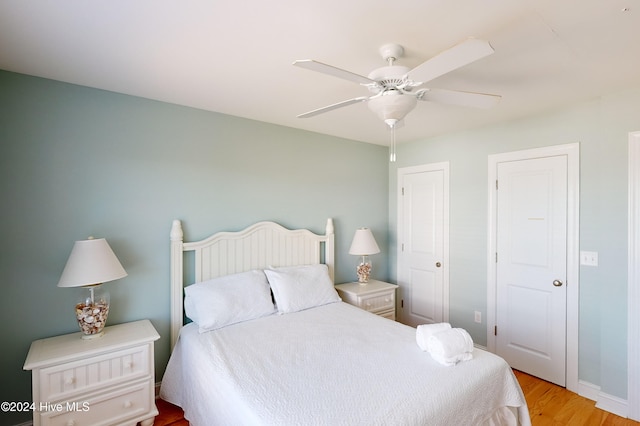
377, 303
63, 381
126, 402
377, 297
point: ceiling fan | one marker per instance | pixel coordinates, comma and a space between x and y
396, 89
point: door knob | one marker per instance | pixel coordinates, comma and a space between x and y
438, 264
557, 283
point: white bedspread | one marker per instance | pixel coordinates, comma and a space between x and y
332, 365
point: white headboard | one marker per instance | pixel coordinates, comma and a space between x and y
259, 246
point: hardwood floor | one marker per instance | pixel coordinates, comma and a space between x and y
548, 405
553, 405
170, 415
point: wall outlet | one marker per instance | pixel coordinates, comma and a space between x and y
589, 258
477, 317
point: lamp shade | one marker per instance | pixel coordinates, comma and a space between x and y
91, 262
363, 243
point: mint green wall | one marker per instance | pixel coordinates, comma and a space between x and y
76, 161
601, 127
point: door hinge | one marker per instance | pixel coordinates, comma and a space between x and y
402, 303
496, 257
402, 247
495, 330
496, 184
403, 190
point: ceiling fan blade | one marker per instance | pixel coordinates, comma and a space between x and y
453, 97
332, 107
312, 65
453, 58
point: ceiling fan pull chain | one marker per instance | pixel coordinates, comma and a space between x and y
392, 147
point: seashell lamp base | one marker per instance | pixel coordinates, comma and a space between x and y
92, 312
92, 319
364, 272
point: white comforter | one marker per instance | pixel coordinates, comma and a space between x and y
333, 365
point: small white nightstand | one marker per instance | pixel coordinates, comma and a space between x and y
376, 297
100, 382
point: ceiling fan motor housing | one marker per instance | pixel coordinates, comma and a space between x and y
389, 77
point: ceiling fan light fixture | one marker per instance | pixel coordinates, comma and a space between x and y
394, 86
392, 105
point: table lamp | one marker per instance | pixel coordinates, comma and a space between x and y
91, 263
364, 244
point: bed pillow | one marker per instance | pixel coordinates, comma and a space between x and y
297, 288
227, 300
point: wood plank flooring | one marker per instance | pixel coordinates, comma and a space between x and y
170, 415
548, 405
553, 405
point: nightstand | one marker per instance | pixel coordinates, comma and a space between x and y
99, 382
376, 297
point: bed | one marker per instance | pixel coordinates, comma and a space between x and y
308, 358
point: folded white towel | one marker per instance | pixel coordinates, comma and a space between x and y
450, 346
424, 331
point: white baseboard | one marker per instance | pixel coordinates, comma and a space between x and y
613, 404
588, 390
604, 401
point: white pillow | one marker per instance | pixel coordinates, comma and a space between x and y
227, 300
301, 287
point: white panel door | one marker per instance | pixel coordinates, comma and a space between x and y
421, 263
532, 266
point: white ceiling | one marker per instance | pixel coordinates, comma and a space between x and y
235, 56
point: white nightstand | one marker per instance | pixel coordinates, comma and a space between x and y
377, 297
100, 382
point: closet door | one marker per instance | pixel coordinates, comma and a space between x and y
532, 266
423, 244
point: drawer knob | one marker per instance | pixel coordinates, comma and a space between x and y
128, 364
387, 300
71, 422
127, 404
70, 381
